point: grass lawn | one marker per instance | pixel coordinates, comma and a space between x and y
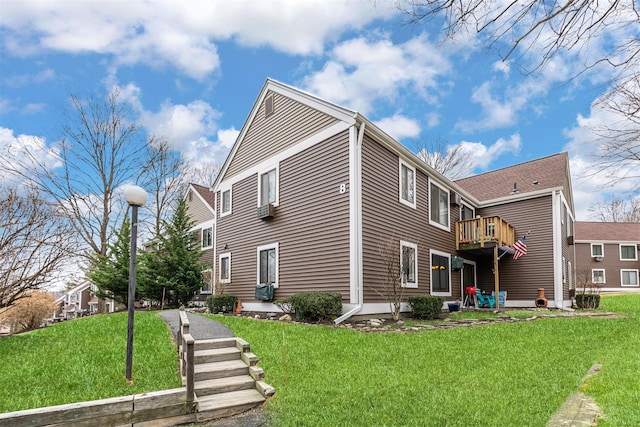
84, 359
504, 374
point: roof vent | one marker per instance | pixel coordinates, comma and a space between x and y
515, 189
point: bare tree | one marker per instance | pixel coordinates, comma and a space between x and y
617, 210
450, 160
392, 289
600, 34
204, 173
164, 177
100, 151
34, 244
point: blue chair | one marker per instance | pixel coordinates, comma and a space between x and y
485, 300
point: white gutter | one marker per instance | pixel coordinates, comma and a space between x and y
355, 222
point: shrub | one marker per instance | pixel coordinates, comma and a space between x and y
587, 301
426, 307
315, 306
221, 303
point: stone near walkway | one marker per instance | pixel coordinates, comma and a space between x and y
579, 410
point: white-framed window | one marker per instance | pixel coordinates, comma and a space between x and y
267, 264
597, 250
440, 273
268, 187
407, 184
225, 202
628, 252
570, 274
629, 277
438, 206
224, 269
597, 275
207, 275
409, 264
207, 238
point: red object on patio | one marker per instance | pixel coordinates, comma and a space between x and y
470, 290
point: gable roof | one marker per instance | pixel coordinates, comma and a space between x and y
206, 194
547, 173
607, 231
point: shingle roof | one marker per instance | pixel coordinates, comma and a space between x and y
206, 194
545, 173
607, 231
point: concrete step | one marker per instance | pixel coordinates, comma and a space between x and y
227, 404
229, 368
216, 355
224, 385
215, 343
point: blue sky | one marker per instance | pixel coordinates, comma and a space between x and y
192, 71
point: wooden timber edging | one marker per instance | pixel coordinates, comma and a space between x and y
159, 408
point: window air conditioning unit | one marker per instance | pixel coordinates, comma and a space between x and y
599, 258
266, 211
456, 199
570, 240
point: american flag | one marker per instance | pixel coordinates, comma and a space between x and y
520, 247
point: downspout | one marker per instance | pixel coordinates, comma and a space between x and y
355, 219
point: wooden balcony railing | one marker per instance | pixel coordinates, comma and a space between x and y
480, 232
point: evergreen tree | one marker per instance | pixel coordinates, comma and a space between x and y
110, 273
174, 267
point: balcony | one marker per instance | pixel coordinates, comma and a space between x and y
479, 233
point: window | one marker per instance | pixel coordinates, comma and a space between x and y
629, 277
226, 202
440, 277
268, 264
564, 269
597, 250
225, 268
268, 187
439, 207
407, 185
597, 276
207, 238
628, 253
408, 264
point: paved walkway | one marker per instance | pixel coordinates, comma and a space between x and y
200, 327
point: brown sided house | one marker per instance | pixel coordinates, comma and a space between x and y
201, 209
311, 190
607, 255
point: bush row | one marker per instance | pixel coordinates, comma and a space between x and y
427, 307
222, 303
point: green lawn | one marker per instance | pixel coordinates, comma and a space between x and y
515, 374
84, 359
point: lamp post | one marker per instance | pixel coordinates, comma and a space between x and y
135, 197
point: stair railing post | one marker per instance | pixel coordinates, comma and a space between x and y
188, 344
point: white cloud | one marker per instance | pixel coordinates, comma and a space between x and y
482, 156
584, 148
362, 72
179, 34
17, 153
399, 126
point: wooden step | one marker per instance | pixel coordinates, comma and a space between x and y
229, 368
216, 355
215, 343
224, 385
227, 404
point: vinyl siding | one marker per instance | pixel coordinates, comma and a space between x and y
611, 264
523, 277
290, 123
197, 210
384, 217
311, 225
